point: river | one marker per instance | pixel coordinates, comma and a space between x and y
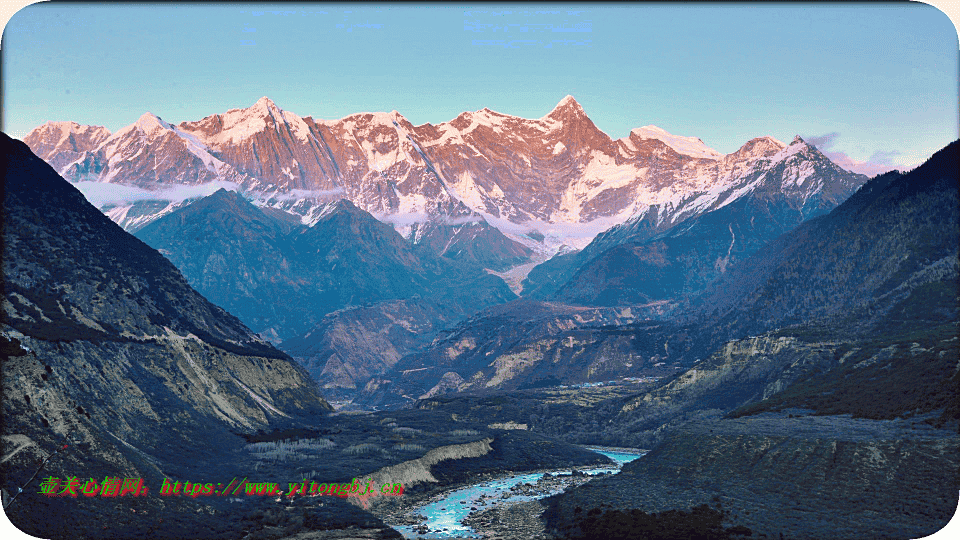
443, 517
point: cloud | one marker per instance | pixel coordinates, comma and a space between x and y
878, 163
297, 194
409, 218
403, 219
460, 220
822, 142
102, 194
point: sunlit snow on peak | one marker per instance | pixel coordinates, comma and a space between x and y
149, 122
688, 146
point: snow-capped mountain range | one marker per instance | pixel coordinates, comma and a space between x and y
559, 175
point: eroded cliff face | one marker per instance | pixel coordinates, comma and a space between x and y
135, 389
809, 477
351, 346
528, 344
741, 371
132, 410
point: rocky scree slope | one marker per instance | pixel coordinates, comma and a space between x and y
525, 344
349, 347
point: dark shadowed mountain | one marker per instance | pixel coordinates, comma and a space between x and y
874, 283
860, 302
888, 251
281, 277
231, 250
853, 312
475, 242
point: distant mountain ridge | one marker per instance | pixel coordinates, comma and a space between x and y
485, 190
646, 260
558, 175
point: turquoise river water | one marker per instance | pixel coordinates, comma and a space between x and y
444, 517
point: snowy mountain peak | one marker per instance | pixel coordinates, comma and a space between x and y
149, 123
60, 143
771, 140
799, 146
650, 130
688, 146
567, 106
60, 127
59, 132
760, 146
265, 108
265, 104
238, 125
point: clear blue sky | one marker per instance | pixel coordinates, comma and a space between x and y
875, 82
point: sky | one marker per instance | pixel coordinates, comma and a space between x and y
874, 86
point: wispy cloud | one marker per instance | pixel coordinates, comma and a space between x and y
460, 220
409, 218
102, 194
879, 162
297, 194
403, 219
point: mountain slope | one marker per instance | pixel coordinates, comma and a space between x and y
911, 227
849, 307
281, 277
106, 348
349, 347
234, 254
852, 267
525, 344
661, 256
839, 421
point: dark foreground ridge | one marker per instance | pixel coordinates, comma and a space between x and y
111, 357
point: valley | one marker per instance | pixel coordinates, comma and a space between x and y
779, 333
